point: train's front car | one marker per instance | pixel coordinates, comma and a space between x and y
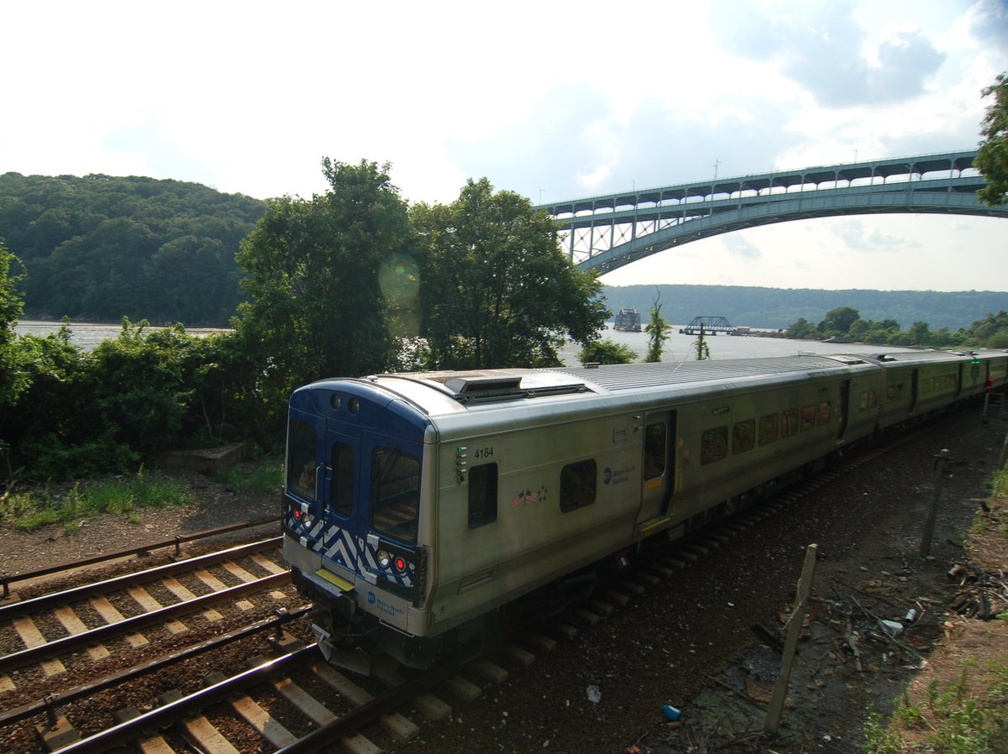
352, 512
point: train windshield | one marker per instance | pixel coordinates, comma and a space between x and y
341, 495
301, 464
395, 494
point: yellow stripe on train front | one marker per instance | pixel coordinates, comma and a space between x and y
332, 578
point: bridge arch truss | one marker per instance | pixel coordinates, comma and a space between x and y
607, 232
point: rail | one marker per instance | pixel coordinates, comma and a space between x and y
7, 579
50, 702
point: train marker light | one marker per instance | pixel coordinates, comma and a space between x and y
460, 462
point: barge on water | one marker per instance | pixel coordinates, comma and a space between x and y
627, 320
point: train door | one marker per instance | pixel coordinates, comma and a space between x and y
372, 502
843, 408
340, 493
658, 471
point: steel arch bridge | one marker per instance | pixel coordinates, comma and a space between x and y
607, 232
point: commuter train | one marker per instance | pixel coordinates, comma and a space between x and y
417, 506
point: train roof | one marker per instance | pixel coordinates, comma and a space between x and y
887, 357
616, 377
449, 391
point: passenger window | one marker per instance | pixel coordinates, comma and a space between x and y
713, 445
301, 463
743, 436
823, 414
808, 416
868, 399
482, 495
789, 422
768, 429
577, 485
655, 451
342, 491
395, 494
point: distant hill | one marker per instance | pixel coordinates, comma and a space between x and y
100, 247
776, 308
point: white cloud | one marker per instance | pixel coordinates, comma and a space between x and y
553, 100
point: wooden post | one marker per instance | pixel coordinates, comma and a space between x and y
791, 642
941, 463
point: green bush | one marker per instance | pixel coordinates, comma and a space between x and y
262, 478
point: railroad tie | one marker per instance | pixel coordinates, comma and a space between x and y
32, 638
74, 626
110, 614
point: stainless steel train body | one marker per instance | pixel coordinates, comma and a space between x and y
416, 505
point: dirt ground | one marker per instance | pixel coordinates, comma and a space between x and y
215, 505
706, 640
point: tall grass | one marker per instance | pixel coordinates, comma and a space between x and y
29, 511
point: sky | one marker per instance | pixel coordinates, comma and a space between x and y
551, 99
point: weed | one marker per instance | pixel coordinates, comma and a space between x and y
123, 495
999, 483
262, 478
961, 719
16, 505
911, 714
38, 519
880, 738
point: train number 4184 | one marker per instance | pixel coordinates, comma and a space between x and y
486, 451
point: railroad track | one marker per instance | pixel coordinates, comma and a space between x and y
58, 623
289, 699
110, 663
59, 640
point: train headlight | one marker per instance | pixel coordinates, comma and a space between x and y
384, 559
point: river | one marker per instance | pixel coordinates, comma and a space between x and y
677, 348
681, 347
86, 335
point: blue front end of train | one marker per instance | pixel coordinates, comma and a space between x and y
351, 504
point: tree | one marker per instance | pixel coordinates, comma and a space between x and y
991, 331
658, 331
606, 352
497, 290
12, 377
700, 347
316, 307
920, 334
802, 329
838, 321
992, 156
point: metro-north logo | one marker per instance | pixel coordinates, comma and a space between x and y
619, 476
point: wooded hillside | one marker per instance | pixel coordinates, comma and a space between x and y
776, 308
98, 248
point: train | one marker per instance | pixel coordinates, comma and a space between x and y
417, 507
